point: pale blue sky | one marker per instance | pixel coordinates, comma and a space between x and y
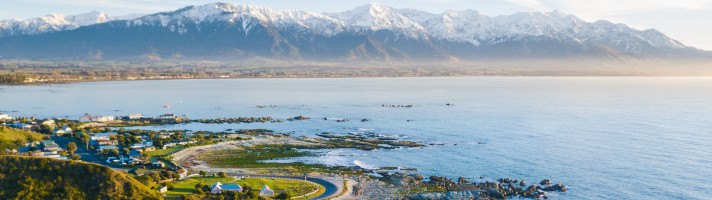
689, 21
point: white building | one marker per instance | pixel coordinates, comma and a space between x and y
88, 118
63, 130
135, 116
167, 116
5, 117
102, 136
216, 189
266, 192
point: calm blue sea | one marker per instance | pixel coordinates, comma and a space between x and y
603, 137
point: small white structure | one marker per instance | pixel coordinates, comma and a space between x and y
63, 130
163, 189
89, 118
5, 117
135, 116
143, 144
266, 192
158, 164
102, 136
219, 188
182, 173
216, 189
49, 122
167, 116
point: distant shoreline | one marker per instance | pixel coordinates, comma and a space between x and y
64, 82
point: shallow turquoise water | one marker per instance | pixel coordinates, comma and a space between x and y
603, 137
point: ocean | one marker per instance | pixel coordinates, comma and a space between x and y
602, 137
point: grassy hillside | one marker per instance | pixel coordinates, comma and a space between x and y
11, 138
43, 178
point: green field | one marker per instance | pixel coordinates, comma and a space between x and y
297, 188
164, 152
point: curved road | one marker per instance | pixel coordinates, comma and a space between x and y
332, 186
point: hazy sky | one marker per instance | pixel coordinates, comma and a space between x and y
689, 21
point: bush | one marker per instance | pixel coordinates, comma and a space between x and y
75, 157
284, 195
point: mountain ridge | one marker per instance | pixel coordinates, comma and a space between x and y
372, 32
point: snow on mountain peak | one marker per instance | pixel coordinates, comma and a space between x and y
455, 25
376, 16
51, 23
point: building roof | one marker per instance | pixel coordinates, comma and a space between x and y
134, 153
265, 188
218, 184
231, 187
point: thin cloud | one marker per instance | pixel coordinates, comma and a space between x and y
532, 4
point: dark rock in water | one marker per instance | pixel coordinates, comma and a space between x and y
364, 120
522, 183
531, 191
545, 182
497, 194
556, 187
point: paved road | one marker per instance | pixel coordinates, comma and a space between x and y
332, 186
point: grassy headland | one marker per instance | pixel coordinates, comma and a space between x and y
43, 178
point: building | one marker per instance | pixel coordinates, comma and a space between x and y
21, 126
266, 192
216, 188
107, 147
63, 130
89, 118
182, 173
163, 189
158, 164
103, 139
231, 187
143, 144
49, 122
167, 116
49, 145
5, 117
135, 116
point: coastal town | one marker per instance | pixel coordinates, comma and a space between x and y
182, 163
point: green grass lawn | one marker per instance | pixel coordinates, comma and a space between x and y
164, 152
297, 188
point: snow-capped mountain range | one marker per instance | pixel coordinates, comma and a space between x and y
55, 22
373, 31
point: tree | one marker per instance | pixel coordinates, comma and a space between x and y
114, 152
76, 157
284, 195
203, 173
222, 175
206, 188
86, 138
71, 147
